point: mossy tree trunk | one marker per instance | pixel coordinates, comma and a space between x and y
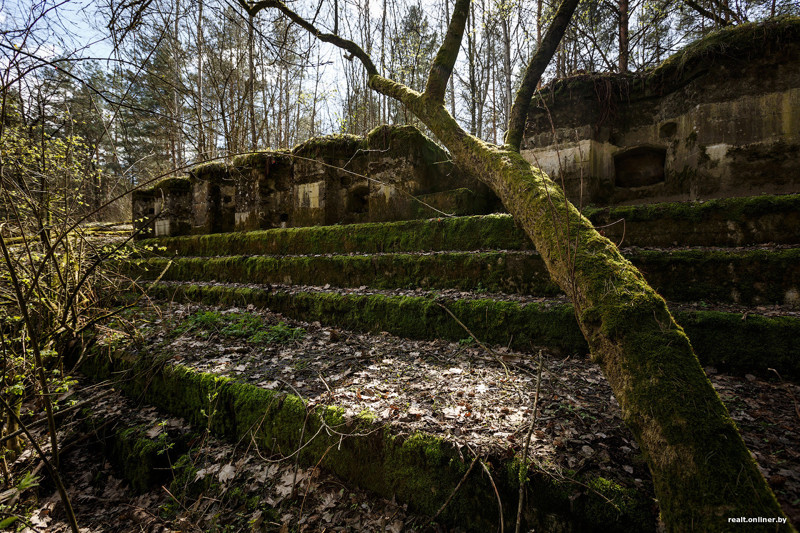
702, 471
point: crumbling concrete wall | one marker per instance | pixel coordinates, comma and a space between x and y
213, 199
143, 209
721, 118
394, 173
264, 183
391, 174
164, 209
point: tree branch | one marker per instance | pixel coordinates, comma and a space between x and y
706, 13
398, 91
383, 85
332, 38
442, 67
539, 61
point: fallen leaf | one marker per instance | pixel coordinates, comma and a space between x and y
227, 473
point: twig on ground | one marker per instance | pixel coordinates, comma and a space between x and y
62, 491
786, 386
496, 357
447, 502
308, 485
524, 464
496, 493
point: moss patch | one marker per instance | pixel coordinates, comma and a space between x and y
728, 340
732, 45
729, 222
750, 278
420, 469
173, 183
214, 171
490, 271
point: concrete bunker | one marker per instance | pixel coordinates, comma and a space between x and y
720, 118
213, 192
336, 179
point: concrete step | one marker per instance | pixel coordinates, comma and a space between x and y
406, 418
178, 474
725, 222
395, 459
749, 276
740, 339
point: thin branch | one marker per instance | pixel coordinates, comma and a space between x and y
524, 464
706, 13
34, 344
455, 490
332, 38
51, 469
496, 357
442, 67
536, 67
497, 494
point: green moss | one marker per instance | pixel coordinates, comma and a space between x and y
420, 469
259, 159
732, 221
723, 339
626, 502
753, 277
214, 172
732, 209
330, 147
497, 272
745, 277
734, 44
173, 183
143, 461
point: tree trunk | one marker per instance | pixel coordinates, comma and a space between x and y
507, 81
251, 85
473, 82
177, 133
201, 137
702, 471
452, 88
623, 35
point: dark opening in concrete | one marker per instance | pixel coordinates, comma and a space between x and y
640, 166
357, 199
667, 130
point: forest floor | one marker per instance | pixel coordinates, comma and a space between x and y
477, 399
303, 499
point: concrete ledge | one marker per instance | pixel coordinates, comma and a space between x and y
419, 469
747, 277
731, 341
728, 222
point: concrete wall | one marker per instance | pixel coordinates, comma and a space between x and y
721, 118
395, 173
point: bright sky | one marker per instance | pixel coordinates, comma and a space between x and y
59, 25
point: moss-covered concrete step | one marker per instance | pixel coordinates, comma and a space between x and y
143, 452
727, 222
420, 469
749, 277
738, 342
189, 476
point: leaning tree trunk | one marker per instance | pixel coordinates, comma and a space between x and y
702, 472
